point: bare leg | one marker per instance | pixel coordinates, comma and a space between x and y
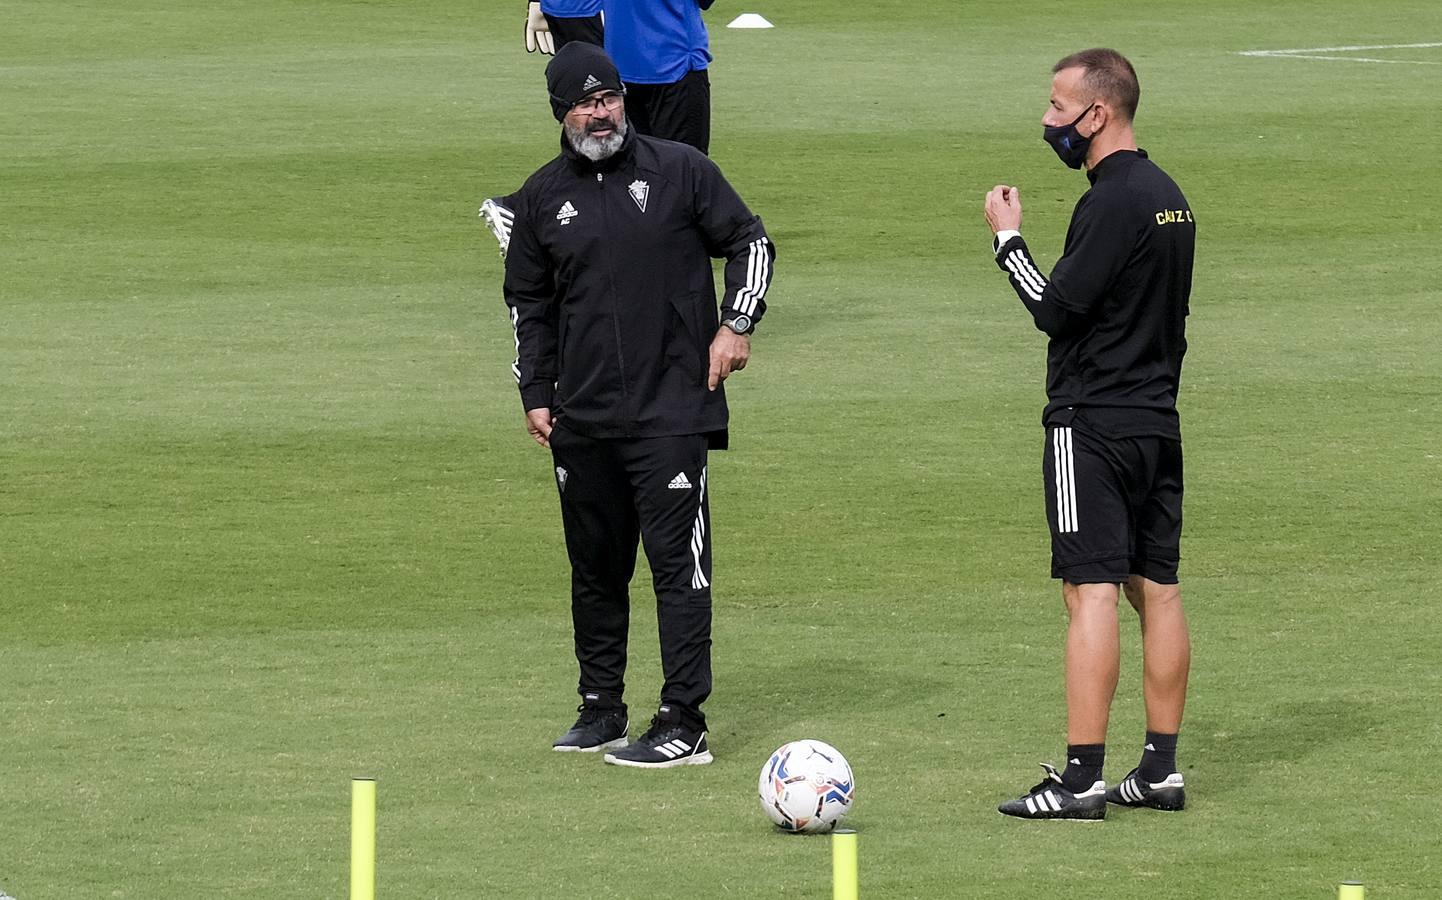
1093, 659
1166, 651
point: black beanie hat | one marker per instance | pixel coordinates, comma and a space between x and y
578, 69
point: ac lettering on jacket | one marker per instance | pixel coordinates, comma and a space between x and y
1170, 216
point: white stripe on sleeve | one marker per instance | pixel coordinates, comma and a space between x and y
758, 271
1026, 275
516, 333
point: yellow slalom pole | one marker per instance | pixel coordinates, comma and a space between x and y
1351, 890
844, 881
362, 839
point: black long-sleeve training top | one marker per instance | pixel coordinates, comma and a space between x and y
610, 288
1117, 301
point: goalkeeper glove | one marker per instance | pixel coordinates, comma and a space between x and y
538, 30
499, 220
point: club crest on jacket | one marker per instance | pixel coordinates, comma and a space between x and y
640, 190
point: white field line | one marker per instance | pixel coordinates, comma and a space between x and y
1316, 53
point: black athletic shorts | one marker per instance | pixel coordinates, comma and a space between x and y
564, 30
680, 111
1114, 506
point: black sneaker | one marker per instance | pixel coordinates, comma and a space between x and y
1133, 790
1051, 800
598, 728
667, 743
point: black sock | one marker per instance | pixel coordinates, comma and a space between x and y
1083, 766
1159, 757
601, 700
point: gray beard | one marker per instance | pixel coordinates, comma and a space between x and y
593, 148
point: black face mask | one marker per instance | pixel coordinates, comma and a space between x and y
1068, 142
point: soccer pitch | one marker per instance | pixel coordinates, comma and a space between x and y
269, 518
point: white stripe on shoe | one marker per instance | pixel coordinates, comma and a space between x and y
675, 757
694, 759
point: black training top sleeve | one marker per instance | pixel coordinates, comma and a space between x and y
531, 296
1034, 290
732, 232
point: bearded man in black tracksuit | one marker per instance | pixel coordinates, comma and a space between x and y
621, 359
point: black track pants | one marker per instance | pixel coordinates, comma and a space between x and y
612, 492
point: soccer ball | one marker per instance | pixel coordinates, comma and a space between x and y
806, 787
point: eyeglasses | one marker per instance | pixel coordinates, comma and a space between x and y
611, 100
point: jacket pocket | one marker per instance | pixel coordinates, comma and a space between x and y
565, 330
686, 347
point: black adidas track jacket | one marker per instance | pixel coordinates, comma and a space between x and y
610, 288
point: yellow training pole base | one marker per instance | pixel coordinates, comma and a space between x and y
1351, 890
362, 839
844, 881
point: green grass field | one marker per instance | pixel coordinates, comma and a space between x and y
269, 518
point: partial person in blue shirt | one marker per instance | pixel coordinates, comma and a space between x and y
552, 24
660, 47
571, 9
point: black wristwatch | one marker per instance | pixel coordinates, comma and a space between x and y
740, 324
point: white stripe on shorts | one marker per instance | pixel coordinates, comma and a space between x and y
1065, 478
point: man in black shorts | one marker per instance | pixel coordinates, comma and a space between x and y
1115, 311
